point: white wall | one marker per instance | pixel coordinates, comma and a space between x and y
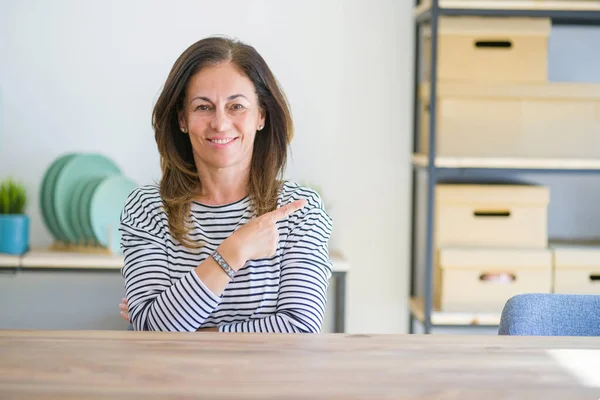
83, 76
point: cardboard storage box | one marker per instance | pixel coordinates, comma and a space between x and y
482, 280
490, 49
553, 120
577, 269
479, 215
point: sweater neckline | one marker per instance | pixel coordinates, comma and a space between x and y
221, 207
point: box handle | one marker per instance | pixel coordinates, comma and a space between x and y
595, 277
493, 44
492, 213
498, 277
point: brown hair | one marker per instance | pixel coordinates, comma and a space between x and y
180, 182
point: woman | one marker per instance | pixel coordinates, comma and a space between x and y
223, 243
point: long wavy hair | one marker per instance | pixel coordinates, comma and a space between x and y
180, 182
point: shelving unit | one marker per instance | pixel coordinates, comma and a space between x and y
571, 11
446, 319
540, 165
565, 12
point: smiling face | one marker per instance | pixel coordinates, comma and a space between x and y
221, 114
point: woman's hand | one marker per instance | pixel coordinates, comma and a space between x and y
259, 237
124, 307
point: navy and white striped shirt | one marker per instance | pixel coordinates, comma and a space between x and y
285, 293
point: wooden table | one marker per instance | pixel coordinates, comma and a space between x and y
129, 365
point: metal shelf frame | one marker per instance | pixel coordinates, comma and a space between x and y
434, 173
559, 17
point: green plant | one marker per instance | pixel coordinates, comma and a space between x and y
13, 197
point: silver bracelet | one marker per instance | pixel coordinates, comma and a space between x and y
223, 264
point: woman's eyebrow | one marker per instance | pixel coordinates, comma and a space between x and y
235, 96
232, 97
201, 98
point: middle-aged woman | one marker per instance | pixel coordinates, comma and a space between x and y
223, 242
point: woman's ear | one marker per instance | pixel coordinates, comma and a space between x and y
181, 120
261, 119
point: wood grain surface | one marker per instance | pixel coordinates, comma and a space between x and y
131, 365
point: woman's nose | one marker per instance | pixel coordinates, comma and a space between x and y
220, 121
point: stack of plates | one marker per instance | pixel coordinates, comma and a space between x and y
81, 200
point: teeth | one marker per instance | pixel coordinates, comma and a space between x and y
221, 141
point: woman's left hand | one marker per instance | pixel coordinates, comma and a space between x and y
124, 307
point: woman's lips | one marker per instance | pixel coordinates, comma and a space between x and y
221, 143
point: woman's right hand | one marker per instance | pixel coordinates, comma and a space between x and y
258, 238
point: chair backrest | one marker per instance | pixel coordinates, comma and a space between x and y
551, 315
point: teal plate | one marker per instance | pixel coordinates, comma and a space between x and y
107, 204
43, 190
84, 210
82, 167
46, 195
76, 205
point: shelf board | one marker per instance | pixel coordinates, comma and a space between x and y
552, 164
445, 318
52, 259
567, 9
10, 261
70, 260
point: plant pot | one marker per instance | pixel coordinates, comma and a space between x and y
14, 233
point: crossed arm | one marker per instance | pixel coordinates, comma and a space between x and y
156, 303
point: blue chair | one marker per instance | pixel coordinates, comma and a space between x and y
551, 315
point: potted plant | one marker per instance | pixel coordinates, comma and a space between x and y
14, 224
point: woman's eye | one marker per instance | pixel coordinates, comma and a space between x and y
237, 107
203, 107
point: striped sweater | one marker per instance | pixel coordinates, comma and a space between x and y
284, 293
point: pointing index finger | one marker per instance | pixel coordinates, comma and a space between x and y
288, 209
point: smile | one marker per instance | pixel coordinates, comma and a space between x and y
222, 141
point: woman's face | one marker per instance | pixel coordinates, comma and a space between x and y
221, 114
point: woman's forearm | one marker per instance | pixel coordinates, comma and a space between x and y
211, 273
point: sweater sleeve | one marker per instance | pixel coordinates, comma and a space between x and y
305, 273
156, 302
